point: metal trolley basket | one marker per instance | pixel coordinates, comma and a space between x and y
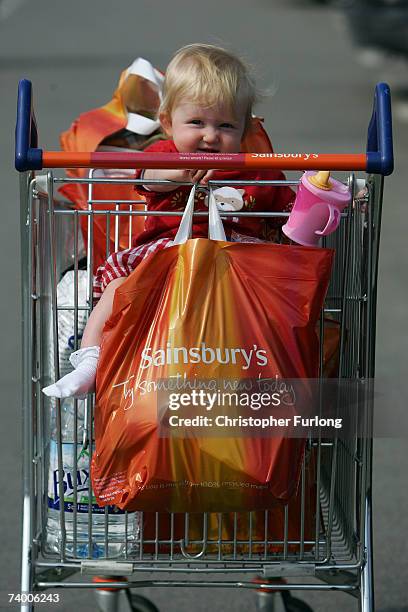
123, 548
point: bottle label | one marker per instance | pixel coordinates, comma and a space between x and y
71, 479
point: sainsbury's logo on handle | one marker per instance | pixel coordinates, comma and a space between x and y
304, 156
203, 354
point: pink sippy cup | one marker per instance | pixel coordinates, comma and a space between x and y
317, 210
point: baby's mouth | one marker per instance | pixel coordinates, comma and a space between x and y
207, 150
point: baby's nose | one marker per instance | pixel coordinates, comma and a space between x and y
210, 135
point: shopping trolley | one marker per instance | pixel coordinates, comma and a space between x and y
114, 552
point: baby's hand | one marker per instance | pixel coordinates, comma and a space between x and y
182, 176
193, 176
179, 176
201, 176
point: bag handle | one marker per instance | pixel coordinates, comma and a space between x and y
186, 223
215, 226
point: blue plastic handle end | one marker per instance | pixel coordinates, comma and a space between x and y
27, 155
380, 156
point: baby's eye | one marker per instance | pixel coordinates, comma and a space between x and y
195, 121
229, 126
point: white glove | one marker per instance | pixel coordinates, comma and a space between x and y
81, 381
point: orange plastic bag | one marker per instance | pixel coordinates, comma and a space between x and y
212, 310
103, 126
243, 532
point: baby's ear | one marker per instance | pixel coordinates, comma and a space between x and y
165, 122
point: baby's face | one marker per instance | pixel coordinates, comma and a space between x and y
195, 129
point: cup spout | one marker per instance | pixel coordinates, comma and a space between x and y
321, 180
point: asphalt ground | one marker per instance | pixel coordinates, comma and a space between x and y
73, 52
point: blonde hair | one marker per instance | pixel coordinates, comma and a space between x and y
208, 75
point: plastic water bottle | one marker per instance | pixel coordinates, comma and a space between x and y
113, 532
79, 513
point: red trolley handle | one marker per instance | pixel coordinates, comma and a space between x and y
378, 158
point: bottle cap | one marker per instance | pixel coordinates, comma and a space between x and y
321, 180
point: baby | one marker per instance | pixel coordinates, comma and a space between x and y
206, 108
